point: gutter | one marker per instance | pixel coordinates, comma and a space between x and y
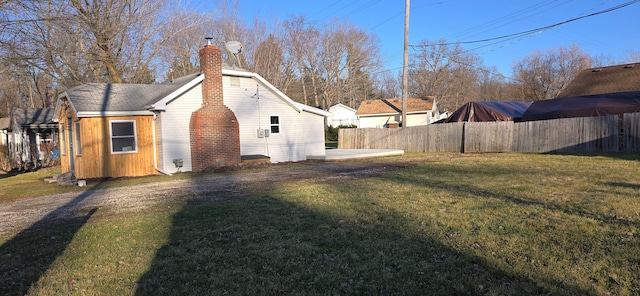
155, 147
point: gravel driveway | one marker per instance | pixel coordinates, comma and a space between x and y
46, 210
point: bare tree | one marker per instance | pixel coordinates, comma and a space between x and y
184, 36
348, 56
542, 75
632, 57
389, 85
492, 85
446, 72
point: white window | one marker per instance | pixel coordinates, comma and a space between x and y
123, 136
77, 144
275, 124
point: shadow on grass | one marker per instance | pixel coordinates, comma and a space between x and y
623, 185
262, 245
27, 256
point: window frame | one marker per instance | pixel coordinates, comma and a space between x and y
77, 146
63, 140
134, 136
277, 125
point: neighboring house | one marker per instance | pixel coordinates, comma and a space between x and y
193, 123
388, 112
342, 115
4, 130
604, 80
30, 136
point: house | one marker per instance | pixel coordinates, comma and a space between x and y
193, 123
388, 112
604, 80
4, 131
30, 136
342, 115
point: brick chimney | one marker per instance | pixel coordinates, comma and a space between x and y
214, 129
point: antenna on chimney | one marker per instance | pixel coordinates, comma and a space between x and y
234, 47
209, 40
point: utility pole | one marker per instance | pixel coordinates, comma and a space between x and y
405, 64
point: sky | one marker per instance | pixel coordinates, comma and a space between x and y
612, 34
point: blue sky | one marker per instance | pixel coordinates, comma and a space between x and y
611, 34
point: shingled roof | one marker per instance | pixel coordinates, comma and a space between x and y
96, 97
394, 106
612, 79
33, 117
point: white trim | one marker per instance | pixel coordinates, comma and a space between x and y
112, 113
392, 114
313, 110
77, 139
270, 86
63, 138
135, 137
279, 124
344, 106
162, 104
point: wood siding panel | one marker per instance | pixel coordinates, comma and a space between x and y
97, 161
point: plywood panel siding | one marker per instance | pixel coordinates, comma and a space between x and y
97, 161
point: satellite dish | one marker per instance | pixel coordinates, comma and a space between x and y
234, 47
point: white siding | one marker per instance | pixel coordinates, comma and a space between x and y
377, 121
419, 119
381, 121
175, 130
341, 116
301, 134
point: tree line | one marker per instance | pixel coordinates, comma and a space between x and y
47, 46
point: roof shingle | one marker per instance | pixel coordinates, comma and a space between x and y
612, 79
385, 106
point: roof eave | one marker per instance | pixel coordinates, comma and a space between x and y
161, 105
285, 98
113, 113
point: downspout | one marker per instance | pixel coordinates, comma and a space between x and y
155, 146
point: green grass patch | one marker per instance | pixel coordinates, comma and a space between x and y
507, 224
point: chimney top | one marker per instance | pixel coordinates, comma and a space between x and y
208, 41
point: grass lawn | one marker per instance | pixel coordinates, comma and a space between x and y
509, 224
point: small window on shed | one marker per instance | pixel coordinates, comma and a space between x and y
123, 136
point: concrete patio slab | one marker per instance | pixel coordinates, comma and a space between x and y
343, 154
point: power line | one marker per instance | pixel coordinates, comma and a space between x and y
540, 29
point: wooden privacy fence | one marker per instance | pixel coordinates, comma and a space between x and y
580, 135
